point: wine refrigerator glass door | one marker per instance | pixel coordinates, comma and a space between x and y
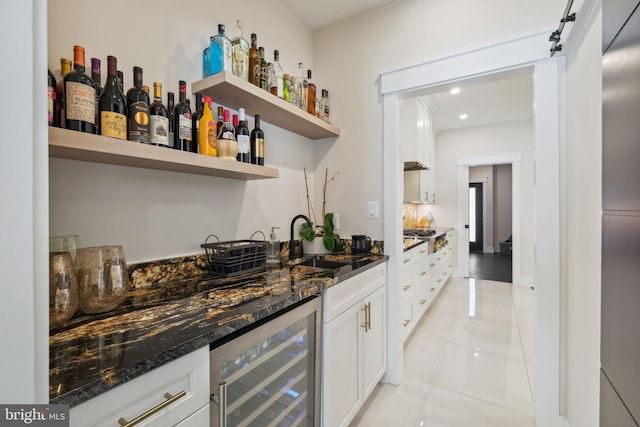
270, 375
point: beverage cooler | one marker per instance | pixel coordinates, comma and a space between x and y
270, 375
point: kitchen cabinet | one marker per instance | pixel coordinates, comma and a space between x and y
168, 395
354, 344
423, 277
418, 144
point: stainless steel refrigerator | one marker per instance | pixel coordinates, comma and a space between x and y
620, 321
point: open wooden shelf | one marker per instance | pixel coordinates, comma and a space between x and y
68, 144
233, 92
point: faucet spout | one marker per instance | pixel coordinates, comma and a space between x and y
292, 246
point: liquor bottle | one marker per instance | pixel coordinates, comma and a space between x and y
257, 143
278, 83
51, 98
138, 105
243, 138
302, 87
65, 68
227, 146
195, 123
206, 60
311, 95
182, 121
80, 96
325, 106
254, 61
220, 52
113, 105
240, 54
170, 106
207, 131
264, 72
121, 81
235, 122
95, 76
158, 119
220, 118
286, 87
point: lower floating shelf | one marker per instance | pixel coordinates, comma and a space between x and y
68, 144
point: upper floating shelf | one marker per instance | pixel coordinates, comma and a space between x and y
232, 91
68, 144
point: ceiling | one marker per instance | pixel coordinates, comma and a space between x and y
319, 14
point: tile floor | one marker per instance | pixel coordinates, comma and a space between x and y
470, 362
490, 266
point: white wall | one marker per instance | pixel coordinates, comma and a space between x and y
351, 55
156, 214
485, 141
502, 215
582, 224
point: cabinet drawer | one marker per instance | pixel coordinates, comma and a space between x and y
189, 373
406, 286
337, 299
406, 319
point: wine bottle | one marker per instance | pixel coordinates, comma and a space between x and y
138, 105
170, 107
65, 68
264, 72
51, 98
220, 118
221, 56
113, 105
243, 138
182, 121
80, 96
227, 146
325, 106
195, 123
207, 131
311, 95
97, 80
302, 87
121, 80
277, 85
257, 143
146, 89
158, 119
240, 54
254, 61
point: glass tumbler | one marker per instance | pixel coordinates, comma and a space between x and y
63, 289
103, 279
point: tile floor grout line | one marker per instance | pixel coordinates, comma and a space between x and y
526, 364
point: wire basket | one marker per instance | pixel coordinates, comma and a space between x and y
236, 256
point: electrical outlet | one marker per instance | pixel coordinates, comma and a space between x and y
336, 221
373, 210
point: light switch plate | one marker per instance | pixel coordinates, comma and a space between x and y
373, 210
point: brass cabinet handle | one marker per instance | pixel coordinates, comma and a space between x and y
432, 265
422, 273
406, 322
422, 301
432, 289
406, 287
368, 315
423, 251
439, 258
366, 325
406, 260
155, 409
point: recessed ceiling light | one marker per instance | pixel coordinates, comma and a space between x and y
463, 116
455, 91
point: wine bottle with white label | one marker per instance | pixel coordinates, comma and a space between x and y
158, 119
138, 105
182, 135
112, 105
242, 136
80, 96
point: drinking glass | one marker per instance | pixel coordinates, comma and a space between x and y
103, 279
63, 289
64, 244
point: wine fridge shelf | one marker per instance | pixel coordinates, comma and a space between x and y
233, 92
68, 144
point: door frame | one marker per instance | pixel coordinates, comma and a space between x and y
549, 72
481, 212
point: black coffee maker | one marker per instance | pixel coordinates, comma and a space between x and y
360, 244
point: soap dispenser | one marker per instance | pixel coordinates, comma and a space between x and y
273, 248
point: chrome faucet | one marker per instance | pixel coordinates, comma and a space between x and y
292, 243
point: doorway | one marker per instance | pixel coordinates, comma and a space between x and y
476, 217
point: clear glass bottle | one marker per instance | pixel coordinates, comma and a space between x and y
311, 95
240, 54
264, 70
277, 83
221, 53
254, 61
301, 86
325, 106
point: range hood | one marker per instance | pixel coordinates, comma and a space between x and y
414, 166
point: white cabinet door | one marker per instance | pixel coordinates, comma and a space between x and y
374, 342
341, 397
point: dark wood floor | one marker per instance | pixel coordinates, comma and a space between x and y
490, 267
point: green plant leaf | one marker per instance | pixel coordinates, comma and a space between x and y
329, 242
328, 224
307, 232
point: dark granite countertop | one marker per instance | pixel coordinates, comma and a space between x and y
412, 242
176, 315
